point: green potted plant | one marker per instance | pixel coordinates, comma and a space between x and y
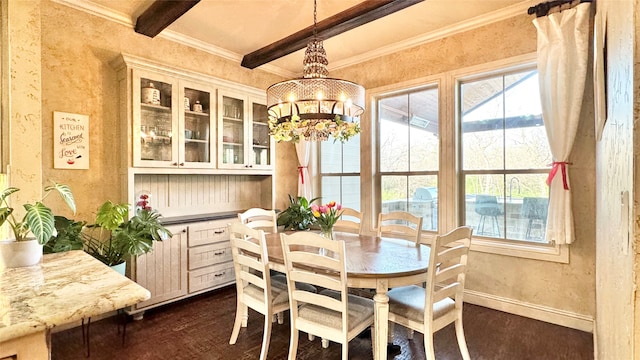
298, 216
31, 232
113, 237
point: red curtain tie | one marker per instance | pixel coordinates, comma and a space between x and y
562, 165
302, 173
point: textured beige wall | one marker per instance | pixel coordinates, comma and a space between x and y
77, 78
615, 174
569, 287
21, 105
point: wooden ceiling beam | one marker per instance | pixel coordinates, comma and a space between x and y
351, 18
161, 14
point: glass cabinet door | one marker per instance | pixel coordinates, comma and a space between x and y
261, 141
155, 144
197, 127
232, 131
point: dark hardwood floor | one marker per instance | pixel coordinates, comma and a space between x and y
199, 328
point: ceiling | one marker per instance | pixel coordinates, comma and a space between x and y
234, 28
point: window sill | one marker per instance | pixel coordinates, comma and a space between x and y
544, 252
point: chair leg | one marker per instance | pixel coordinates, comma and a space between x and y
428, 346
266, 337
345, 350
390, 332
245, 315
237, 323
410, 333
280, 317
462, 343
373, 338
293, 343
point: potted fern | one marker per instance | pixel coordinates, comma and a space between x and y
33, 231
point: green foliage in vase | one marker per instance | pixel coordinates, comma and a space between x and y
298, 216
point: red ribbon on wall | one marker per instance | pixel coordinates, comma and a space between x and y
563, 167
302, 173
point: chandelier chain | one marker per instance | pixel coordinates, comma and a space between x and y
315, 24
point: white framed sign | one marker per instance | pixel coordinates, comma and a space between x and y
70, 141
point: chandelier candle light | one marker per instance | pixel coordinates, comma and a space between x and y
315, 106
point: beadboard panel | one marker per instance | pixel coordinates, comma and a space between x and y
180, 195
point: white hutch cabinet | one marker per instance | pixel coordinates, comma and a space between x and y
200, 148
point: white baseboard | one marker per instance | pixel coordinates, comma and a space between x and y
533, 311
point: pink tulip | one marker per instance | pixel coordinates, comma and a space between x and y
324, 209
314, 207
339, 207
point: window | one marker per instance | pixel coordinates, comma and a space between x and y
504, 156
340, 172
409, 154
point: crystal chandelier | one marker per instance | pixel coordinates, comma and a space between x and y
315, 106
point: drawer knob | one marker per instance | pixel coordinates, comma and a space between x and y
219, 253
218, 232
220, 274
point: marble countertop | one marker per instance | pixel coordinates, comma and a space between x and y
63, 288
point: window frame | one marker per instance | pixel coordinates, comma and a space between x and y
432, 85
524, 249
448, 177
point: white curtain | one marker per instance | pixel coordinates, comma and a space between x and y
563, 42
303, 149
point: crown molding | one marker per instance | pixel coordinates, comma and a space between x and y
123, 19
473, 23
98, 10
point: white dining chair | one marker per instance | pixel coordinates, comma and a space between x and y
257, 218
255, 287
400, 224
350, 221
429, 309
333, 314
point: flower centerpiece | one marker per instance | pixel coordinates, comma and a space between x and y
326, 216
295, 129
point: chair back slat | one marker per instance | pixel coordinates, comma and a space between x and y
261, 219
400, 224
305, 260
447, 268
250, 259
350, 221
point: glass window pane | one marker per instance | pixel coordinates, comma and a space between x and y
526, 206
394, 134
423, 122
482, 117
351, 155
484, 204
394, 193
330, 157
351, 192
423, 201
330, 188
342, 189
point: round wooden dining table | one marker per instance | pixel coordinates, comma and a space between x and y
372, 263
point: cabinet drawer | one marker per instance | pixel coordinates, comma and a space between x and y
208, 232
211, 276
201, 256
